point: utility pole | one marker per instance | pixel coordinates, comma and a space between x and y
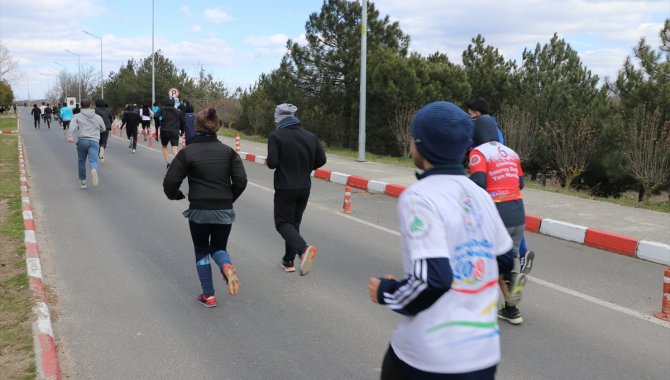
102, 80
78, 75
153, 58
363, 88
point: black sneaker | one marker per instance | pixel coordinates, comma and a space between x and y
526, 262
167, 165
511, 314
287, 265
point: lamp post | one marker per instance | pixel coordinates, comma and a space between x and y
153, 58
102, 83
64, 70
79, 73
48, 87
361, 110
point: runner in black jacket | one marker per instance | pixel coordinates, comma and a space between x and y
216, 178
131, 119
171, 123
108, 117
294, 153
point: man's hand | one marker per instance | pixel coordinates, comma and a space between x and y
70, 140
373, 286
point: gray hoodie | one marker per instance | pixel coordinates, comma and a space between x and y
87, 125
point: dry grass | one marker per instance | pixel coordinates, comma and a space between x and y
16, 337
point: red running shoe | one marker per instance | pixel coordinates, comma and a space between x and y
206, 301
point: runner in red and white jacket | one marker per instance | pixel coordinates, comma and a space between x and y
497, 169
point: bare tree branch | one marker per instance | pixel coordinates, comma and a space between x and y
7, 64
521, 131
648, 148
401, 127
571, 145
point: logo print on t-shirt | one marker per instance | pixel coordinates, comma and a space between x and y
502, 152
416, 225
474, 160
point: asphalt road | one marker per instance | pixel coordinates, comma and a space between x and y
119, 259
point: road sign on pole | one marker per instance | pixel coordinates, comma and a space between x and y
173, 93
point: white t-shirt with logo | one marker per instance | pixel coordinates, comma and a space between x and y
450, 216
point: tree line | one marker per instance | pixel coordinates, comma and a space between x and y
606, 137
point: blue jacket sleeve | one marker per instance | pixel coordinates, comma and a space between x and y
430, 279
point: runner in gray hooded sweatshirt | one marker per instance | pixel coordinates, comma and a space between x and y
87, 126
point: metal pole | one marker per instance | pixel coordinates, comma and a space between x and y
78, 74
48, 87
65, 71
361, 111
102, 80
153, 58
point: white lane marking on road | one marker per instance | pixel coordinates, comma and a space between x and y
597, 301
330, 210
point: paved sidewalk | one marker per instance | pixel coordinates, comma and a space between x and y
633, 222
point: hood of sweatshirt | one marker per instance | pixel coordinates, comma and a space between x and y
485, 130
89, 113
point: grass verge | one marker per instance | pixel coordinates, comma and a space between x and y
16, 337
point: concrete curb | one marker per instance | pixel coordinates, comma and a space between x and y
46, 354
591, 237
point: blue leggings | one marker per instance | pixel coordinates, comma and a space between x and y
209, 240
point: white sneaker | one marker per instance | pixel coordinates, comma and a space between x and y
94, 177
133, 151
82, 184
101, 154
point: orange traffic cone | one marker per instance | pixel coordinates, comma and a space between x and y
664, 314
237, 142
346, 208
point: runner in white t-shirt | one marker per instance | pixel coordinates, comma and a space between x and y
451, 234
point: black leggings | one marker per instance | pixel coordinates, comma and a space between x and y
209, 238
395, 369
104, 136
289, 205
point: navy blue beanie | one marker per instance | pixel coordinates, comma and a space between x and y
441, 132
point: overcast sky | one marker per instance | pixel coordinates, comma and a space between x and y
237, 40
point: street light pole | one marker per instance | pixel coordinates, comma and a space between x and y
361, 109
48, 87
79, 73
153, 58
65, 71
102, 81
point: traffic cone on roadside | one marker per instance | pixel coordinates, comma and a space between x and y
237, 142
664, 314
346, 208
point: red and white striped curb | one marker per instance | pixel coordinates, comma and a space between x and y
45, 346
592, 237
